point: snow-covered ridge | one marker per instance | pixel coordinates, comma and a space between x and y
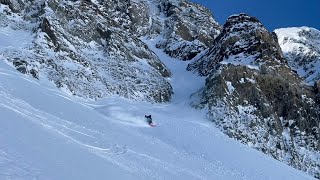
301, 46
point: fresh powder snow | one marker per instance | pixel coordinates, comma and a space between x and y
48, 134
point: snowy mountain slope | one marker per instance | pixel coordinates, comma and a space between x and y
92, 48
83, 52
301, 46
48, 134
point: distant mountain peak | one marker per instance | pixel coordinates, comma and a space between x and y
301, 46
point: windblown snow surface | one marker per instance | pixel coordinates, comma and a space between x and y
49, 135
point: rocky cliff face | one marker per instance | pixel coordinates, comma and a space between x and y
254, 96
188, 28
93, 49
243, 41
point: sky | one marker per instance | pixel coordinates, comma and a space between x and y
272, 13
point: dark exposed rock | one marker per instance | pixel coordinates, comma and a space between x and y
46, 27
23, 67
105, 34
189, 29
254, 96
317, 90
34, 73
5, 2
317, 86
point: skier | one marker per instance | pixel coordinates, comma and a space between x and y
149, 119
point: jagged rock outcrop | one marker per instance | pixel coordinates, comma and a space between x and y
301, 46
188, 28
253, 95
243, 41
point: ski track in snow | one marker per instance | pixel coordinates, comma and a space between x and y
79, 135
